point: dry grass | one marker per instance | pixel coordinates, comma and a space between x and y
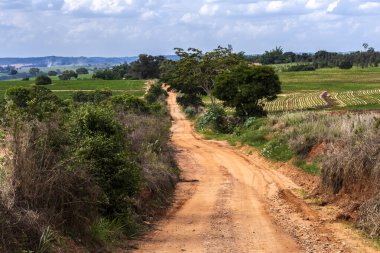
42, 188
149, 137
369, 216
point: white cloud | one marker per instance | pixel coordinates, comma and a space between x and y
313, 4
148, 14
209, 9
123, 27
275, 6
369, 6
97, 6
331, 7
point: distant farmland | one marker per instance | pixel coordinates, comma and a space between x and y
345, 89
64, 89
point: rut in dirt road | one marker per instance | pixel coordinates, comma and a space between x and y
226, 210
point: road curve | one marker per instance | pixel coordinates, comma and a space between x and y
223, 204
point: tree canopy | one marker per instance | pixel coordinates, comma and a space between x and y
244, 87
195, 72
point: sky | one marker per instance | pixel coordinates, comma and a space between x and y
130, 27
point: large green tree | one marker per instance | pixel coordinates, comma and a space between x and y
244, 87
195, 72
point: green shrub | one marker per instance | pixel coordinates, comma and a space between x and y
155, 93
312, 168
190, 111
305, 67
214, 119
346, 65
107, 231
277, 149
35, 102
128, 103
96, 97
186, 100
43, 80
101, 142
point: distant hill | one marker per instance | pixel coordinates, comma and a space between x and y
49, 61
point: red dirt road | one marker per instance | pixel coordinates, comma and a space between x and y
230, 202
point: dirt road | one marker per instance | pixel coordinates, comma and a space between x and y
228, 202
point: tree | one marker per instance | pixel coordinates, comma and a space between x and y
82, 71
345, 65
244, 87
34, 71
146, 67
43, 80
52, 73
68, 74
274, 56
195, 72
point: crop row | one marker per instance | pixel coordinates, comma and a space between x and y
296, 102
362, 97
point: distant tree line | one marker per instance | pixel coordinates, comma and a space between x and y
146, 67
321, 59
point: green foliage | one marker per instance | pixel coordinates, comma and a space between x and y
43, 80
190, 111
82, 71
217, 120
128, 103
107, 231
243, 87
273, 56
155, 93
68, 74
101, 142
346, 65
253, 132
52, 73
36, 101
195, 72
186, 100
34, 71
47, 237
277, 149
303, 67
146, 67
91, 96
312, 168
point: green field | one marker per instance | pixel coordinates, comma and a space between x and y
331, 80
65, 88
356, 88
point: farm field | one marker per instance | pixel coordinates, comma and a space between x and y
331, 80
65, 88
296, 102
345, 89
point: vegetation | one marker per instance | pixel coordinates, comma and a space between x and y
300, 68
43, 80
243, 87
146, 67
292, 102
321, 59
194, 74
81, 168
65, 88
68, 74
